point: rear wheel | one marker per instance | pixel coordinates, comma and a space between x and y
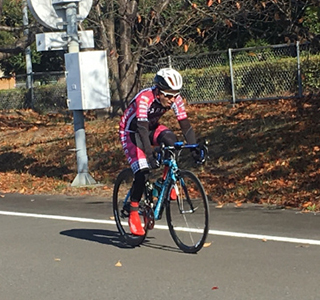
121, 208
188, 214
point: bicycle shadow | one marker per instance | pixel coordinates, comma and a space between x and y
106, 237
148, 244
113, 238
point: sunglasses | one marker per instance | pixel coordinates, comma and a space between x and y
170, 94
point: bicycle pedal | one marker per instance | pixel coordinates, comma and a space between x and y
149, 217
150, 224
124, 214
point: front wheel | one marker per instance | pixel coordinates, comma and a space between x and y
121, 208
188, 212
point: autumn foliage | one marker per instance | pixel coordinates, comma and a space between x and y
262, 152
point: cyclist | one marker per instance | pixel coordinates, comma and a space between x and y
139, 130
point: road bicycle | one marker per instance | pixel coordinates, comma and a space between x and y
179, 192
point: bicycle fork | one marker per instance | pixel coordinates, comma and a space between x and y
180, 200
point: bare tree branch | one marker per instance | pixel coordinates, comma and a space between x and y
10, 29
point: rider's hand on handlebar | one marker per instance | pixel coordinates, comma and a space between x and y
199, 154
153, 162
196, 155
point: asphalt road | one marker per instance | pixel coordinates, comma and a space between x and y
58, 247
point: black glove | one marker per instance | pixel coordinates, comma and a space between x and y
199, 154
153, 162
196, 155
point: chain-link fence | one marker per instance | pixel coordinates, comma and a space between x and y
41, 78
270, 72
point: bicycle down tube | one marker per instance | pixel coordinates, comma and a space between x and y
181, 195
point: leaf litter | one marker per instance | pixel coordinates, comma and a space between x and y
261, 152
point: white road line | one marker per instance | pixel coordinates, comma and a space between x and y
54, 217
212, 232
265, 237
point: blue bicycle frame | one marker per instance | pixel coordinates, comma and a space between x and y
170, 177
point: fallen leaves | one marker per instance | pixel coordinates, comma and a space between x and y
206, 245
118, 264
307, 204
257, 154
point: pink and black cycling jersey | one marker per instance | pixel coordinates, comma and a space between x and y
146, 107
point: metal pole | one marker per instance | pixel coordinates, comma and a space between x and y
29, 80
299, 71
83, 177
231, 75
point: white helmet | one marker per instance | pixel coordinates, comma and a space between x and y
168, 79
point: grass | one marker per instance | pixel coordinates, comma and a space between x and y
265, 152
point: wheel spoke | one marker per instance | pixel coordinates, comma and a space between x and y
188, 217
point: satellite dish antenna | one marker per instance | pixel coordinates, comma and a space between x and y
52, 16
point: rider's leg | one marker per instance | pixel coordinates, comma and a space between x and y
133, 149
137, 190
162, 134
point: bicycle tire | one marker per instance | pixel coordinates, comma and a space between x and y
121, 190
188, 215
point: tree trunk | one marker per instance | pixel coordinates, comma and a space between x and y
127, 62
106, 30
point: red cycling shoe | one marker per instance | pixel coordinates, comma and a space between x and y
134, 220
173, 194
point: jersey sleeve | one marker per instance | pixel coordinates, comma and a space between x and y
142, 102
179, 108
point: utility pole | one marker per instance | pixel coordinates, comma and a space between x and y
83, 177
29, 79
87, 72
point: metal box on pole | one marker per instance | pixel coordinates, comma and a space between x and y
53, 41
87, 80
87, 72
